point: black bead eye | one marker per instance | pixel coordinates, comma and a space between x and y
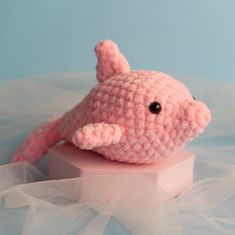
194, 98
155, 108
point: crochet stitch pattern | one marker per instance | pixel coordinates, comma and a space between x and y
130, 116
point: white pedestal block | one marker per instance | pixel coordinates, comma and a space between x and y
173, 174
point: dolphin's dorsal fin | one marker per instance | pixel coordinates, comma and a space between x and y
110, 61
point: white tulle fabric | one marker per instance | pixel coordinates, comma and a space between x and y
120, 204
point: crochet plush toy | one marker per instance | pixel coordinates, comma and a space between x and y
130, 116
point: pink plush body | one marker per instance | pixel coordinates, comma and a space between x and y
115, 118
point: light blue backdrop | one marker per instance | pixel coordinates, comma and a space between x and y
187, 38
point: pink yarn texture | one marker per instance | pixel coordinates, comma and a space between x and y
130, 116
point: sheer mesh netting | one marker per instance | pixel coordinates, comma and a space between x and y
118, 204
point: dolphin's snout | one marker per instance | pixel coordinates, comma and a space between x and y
198, 116
202, 115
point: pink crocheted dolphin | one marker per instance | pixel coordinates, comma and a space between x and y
130, 116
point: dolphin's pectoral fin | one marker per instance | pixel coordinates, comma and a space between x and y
97, 135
